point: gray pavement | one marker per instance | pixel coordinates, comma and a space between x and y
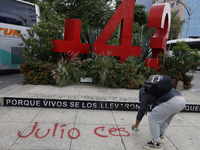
85, 129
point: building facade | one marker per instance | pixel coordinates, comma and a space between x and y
188, 10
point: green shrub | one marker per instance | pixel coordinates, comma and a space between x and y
108, 71
182, 60
99, 68
66, 73
130, 74
36, 71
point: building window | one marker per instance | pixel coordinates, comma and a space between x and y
177, 12
172, 5
178, 2
164, 1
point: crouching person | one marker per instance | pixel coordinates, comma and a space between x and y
158, 90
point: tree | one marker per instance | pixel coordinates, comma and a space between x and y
140, 15
51, 26
91, 12
140, 19
176, 25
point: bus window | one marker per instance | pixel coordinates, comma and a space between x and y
13, 12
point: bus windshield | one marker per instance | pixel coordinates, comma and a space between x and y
13, 12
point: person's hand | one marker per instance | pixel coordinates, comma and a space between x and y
134, 126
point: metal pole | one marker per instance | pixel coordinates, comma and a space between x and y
188, 9
142, 32
189, 14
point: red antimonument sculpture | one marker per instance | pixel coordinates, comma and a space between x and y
124, 14
159, 18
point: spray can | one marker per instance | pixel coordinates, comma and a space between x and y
136, 130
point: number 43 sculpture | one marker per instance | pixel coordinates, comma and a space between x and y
159, 18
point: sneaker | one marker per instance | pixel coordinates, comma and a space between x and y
153, 146
162, 139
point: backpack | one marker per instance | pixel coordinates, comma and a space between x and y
158, 85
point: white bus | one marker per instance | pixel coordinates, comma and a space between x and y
15, 15
193, 43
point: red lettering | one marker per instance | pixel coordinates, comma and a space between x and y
101, 129
73, 137
62, 131
36, 133
55, 128
124, 130
74, 133
113, 130
34, 127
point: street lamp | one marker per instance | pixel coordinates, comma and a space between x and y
190, 11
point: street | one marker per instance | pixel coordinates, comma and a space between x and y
8, 78
196, 82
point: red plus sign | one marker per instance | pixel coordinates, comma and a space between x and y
71, 43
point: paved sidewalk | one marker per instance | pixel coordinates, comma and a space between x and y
85, 129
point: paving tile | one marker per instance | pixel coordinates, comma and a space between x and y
88, 140
8, 133
121, 92
128, 118
19, 114
192, 118
178, 120
93, 91
4, 110
136, 140
95, 117
55, 115
185, 138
